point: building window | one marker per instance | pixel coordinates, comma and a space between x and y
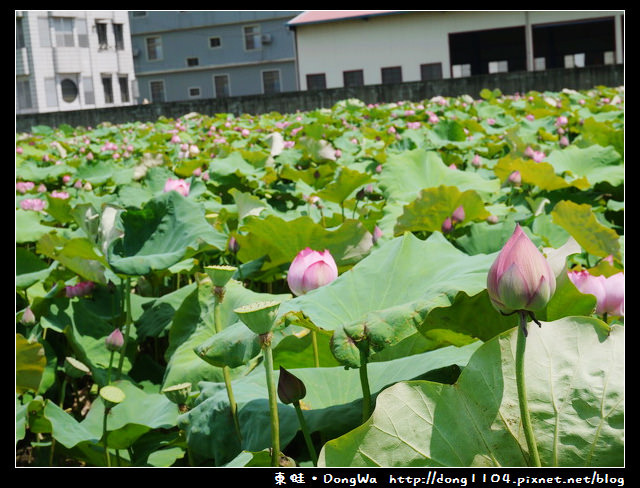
23, 92
431, 71
316, 81
609, 57
498, 66
271, 82
215, 42
19, 33
574, 60
251, 37
221, 86
87, 86
138, 13
193, 62
69, 90
353, 78
461, 70
391, 74
157, 91
539, 64
83, 35
107, 87
51, 92
101, 30
123, 81
63, 29
154, 48
118, 34
194, 92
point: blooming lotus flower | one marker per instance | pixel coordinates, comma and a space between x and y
520, 279
81, 289
310, 270
609, 292
179, 185
32, 204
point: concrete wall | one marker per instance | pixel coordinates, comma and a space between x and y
290, 102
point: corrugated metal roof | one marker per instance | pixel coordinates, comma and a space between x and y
315, 16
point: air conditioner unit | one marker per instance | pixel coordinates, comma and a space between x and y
266, 38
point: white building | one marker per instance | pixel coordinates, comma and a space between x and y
351, 48
73, 59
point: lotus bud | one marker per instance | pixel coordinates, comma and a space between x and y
520, 279
114, 341
290, 388
310, 270
458, 215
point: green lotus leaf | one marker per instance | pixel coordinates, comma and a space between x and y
30, 364
327, 409
346, 182
389, 294
281, 240
580, 221
595, 163
434, 205
168, 229
404, 175
575, 387
543, 174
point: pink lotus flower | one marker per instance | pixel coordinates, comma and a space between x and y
520, 279
310, 270
114, 341
79, 290
24, 186
179, 185
609, 292
32, 204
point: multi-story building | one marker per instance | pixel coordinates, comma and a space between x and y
183, 55
73, 59
350, 48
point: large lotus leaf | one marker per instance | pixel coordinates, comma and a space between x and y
405, 174
327, 409
159, 312
389, 294
434, 205
30, 364
595, 163
281, 240
580, 221
136, 415
166, 230
346, 182
543, 175
79, 255
30, 268
29, 227
193, 324
574, 374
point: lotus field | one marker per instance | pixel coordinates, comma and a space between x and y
400, 285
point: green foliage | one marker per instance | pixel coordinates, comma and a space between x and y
409, 311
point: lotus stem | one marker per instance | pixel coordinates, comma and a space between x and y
219, 294
128, 321
265, 340
364, 382
104, 435
522, 392
314, 345
305, 433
